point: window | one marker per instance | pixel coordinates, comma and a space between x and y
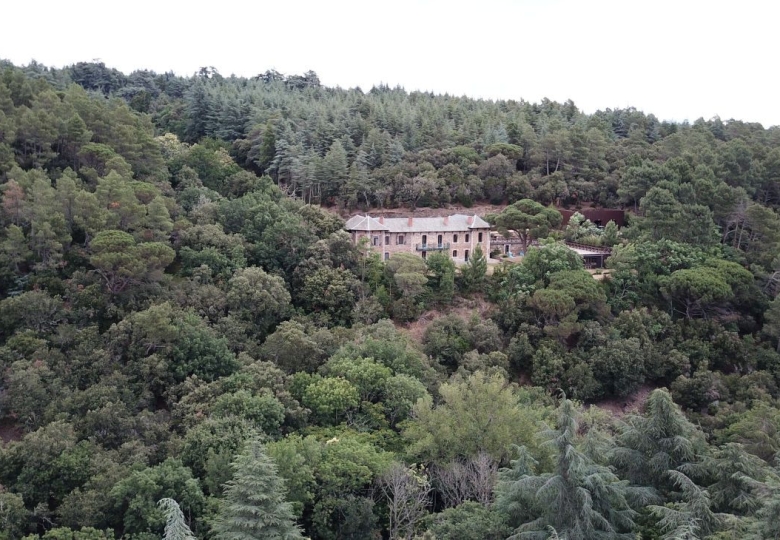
479, 237
454, 238
455, 254
375, 241
424, 253
400, 239
466, 255
387, 255
468, 238
387, 240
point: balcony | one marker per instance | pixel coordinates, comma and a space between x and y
432, 247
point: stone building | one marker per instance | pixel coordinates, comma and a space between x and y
456, 235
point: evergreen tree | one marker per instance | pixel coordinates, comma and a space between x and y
267, 150
335, 169
200, 109
735, 474
611, 235
176, 527
660, 440
580, 499
690, 518
254, 507
768, 523
475, 270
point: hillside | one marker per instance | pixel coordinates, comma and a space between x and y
183, 317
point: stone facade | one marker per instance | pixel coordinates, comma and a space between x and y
456, 235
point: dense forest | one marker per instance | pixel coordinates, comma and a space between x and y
191, 346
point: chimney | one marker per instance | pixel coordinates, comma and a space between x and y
446, 220
382, 220
470, 220
411, 221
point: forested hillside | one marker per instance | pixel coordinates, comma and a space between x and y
191, 345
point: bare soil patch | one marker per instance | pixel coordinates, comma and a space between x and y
630, 404
463, 308
10, 432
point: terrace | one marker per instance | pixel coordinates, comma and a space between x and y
432, 247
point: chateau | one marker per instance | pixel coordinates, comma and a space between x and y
456, 235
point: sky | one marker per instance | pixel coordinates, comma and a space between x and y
680, 60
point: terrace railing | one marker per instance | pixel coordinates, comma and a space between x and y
432, 247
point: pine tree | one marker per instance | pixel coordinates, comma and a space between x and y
660, 440
335, 169
176, 527
475, 270
768, 524
735, 474
254, 507
611, 235
691, 518
580, 499
200, 110
267, 150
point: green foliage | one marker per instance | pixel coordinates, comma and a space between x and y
331, 293
690, 518
441, 277
474, 272
757, 430
141, 276
258, 297
391, 348
135, 497
254, 505
469, 521
619, 366
456, 426
528, 219
13, 515
580, 499
331, 398
772, 321
211, 443
548, 258
368, 376
176, 527
660, 440
697, 290
292, 349
321, 475
447, 339
121, 262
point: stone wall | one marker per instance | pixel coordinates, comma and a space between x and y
387, 243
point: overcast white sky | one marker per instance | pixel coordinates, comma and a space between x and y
677, 59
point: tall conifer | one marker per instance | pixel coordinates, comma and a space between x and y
254, 507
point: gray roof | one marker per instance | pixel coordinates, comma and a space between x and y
454, 223
364, 223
